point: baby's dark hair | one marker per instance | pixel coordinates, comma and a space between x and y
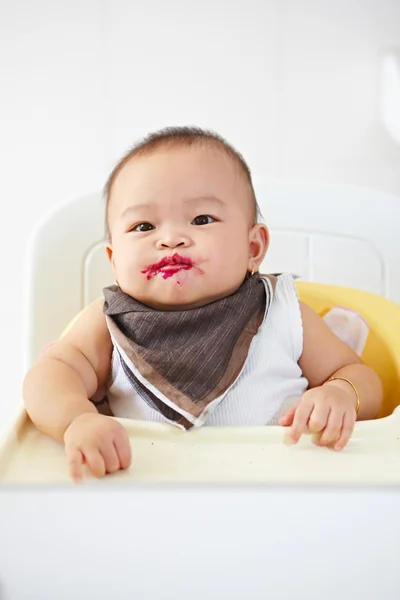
173, 137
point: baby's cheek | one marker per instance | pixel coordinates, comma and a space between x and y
230, 251
129, 277
235, 261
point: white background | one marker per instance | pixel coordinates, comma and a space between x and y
293, 84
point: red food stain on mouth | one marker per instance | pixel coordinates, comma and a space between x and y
169, 266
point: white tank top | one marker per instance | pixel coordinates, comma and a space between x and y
269, 382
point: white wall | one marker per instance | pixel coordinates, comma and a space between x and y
293, 84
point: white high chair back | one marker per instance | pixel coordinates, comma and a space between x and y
335, 234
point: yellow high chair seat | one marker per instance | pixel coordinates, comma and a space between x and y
382, 350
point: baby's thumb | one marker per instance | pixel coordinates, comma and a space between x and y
287, 418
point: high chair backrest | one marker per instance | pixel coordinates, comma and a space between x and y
340, 235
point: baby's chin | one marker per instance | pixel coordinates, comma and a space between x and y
175, 301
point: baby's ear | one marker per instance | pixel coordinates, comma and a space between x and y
110, 253
258, 242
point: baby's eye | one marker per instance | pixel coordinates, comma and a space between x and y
143, 227
203, 220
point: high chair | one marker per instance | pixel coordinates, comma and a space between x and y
340, 240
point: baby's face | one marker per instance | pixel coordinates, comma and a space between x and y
182, 230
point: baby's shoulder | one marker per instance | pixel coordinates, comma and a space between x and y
89, 333
86, 346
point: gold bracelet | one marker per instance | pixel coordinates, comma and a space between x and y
352, 385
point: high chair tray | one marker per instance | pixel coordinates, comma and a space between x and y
164, 454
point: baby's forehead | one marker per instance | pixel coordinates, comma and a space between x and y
204, 165
182, 172
201, 155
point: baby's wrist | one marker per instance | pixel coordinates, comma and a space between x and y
347, 386
78, 417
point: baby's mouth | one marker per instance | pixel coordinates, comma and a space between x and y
169, 265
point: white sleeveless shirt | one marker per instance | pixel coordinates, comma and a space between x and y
269, 383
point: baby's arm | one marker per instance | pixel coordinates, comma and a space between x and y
329, 408
57, 392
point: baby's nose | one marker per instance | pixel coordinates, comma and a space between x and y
171, 244
173, 241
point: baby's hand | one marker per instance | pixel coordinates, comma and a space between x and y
98, 441
328, 410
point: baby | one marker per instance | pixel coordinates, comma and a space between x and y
191, 333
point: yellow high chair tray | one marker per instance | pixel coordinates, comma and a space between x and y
163, 454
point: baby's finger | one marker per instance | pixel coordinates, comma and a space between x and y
319, 418
332, 429
300, 420
347, 430
110, 457
75, 462
94, 461
123, 448
287, 417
